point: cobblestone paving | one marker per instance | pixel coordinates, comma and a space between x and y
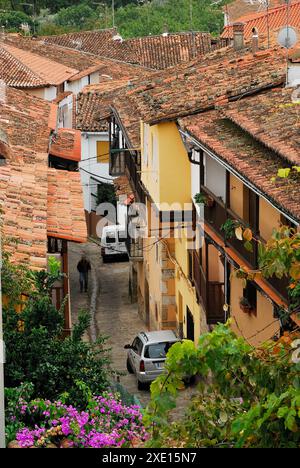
112, 313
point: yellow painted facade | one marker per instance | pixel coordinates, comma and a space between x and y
167, 290
166, 175
255, 328
103, 152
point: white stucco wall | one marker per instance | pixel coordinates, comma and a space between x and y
89, 163
50, 93
66, 113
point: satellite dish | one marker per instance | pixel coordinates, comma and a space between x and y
287, 37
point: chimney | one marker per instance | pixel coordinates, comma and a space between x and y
254, 40
238, 36
165, 30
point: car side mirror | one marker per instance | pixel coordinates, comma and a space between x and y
128, 346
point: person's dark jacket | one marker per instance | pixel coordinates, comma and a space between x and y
83, 266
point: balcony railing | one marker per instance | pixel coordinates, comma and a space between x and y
210, 293
135, 248
133, 170
215, 215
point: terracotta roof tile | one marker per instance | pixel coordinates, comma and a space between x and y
66, 144
49, 71
65, 206
157, 52
272, 119
239, 9
27, 186
245, 154
274, 19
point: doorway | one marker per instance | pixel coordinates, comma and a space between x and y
190, 327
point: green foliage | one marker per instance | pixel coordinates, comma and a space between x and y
106, 194
12, 20
35, 350
239, 386
75, 16
229, 228
133, 18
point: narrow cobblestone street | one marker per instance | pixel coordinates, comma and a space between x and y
112, 313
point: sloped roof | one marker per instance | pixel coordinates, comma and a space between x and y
15, 73
156, 52
245, 153
273, 119
199, 85
49, 71
242, 8
26, 182
66, 144
274, 19
65, 209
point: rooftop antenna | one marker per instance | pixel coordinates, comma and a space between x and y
287, 38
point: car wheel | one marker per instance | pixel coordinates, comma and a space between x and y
141, 385
129, 367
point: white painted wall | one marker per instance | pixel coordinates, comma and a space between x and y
214, 177
65, 114
50, 93
294, 75
195, 175
99, 171
77, 86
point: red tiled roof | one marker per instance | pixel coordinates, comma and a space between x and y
15, 73
275, 18
240, 8
156, 52
49, 71
26, 182
65, 215
66, 144
245, 154
200, 85
272, 119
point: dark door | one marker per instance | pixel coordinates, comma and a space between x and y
190, 328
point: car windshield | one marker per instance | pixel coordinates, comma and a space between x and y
158, 350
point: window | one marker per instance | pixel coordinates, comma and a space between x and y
2, 160
158, 350
103, 152
137, 346
122, 237
250, 295
110, 238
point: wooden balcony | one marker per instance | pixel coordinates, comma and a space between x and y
215, 215
135, 249
209, 293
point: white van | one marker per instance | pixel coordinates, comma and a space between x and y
113, 243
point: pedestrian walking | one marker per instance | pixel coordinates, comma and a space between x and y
83, 267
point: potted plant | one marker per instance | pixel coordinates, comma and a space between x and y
245, 306
207, 200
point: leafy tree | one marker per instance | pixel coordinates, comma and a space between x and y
75, 15
13, 20
246, 397
35, 350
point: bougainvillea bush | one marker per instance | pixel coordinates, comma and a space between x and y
105, 422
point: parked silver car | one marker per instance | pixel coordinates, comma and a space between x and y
147, 354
